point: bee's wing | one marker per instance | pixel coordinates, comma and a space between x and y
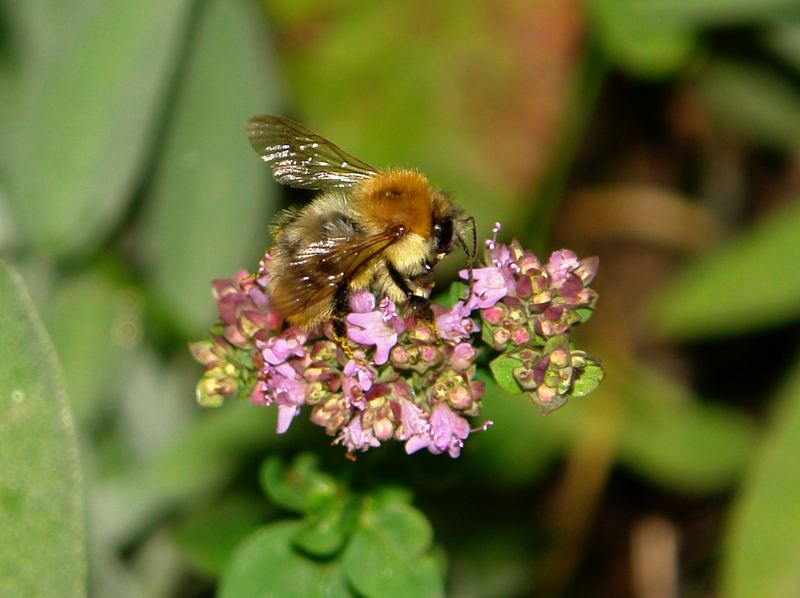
300, 158
322, 267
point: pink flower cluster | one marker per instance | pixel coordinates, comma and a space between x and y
407, 383
405, 379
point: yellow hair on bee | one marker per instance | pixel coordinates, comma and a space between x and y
396, 198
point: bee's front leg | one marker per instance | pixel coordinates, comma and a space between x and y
420, 306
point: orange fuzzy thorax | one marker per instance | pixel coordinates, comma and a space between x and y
396, 198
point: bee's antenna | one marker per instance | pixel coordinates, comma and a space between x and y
470, 254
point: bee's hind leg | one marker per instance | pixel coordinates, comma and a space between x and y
341, 307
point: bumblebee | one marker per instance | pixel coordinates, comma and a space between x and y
366, 228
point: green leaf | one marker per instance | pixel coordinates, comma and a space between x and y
197, 462
671, 437
641, 45
41, 503
457, 292
762, 552
94, 323
211, 204
698, 13
302, 487
753, 101
209, 538
37, 26
742, 286
87, 118
521, 444
587, 379
503, 371
783, 38
388, 555
325, 531
266, 566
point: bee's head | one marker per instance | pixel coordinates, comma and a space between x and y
450, 228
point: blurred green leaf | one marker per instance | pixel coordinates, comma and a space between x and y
754, 102
38, 25
41, 502
388, 554
670, 437
641, 45
521, 444
494, 560
200, 460
94, 322
87, 118
783, 38
301, 487
503, 371
762, 552
704, 12
266, 566
211, 203
745, 285
209, 538
325, 531
152, 401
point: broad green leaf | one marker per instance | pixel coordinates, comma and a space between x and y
266, 566
94, 322
301, 487
672, 438
86, 120
503, 370
325, 531
745, 285
762, 551
753, 101
37, 26
641, 45
209, 538
211, 205
41, 502
388, 554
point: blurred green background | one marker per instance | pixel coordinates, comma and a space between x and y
661, 135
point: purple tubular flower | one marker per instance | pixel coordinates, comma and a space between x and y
379, 328
454, 324
414, 426
355, 438
278, 349
362, 302
289, 394
446, 433
491, 284
362, 372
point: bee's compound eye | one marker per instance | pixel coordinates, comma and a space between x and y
443, 235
